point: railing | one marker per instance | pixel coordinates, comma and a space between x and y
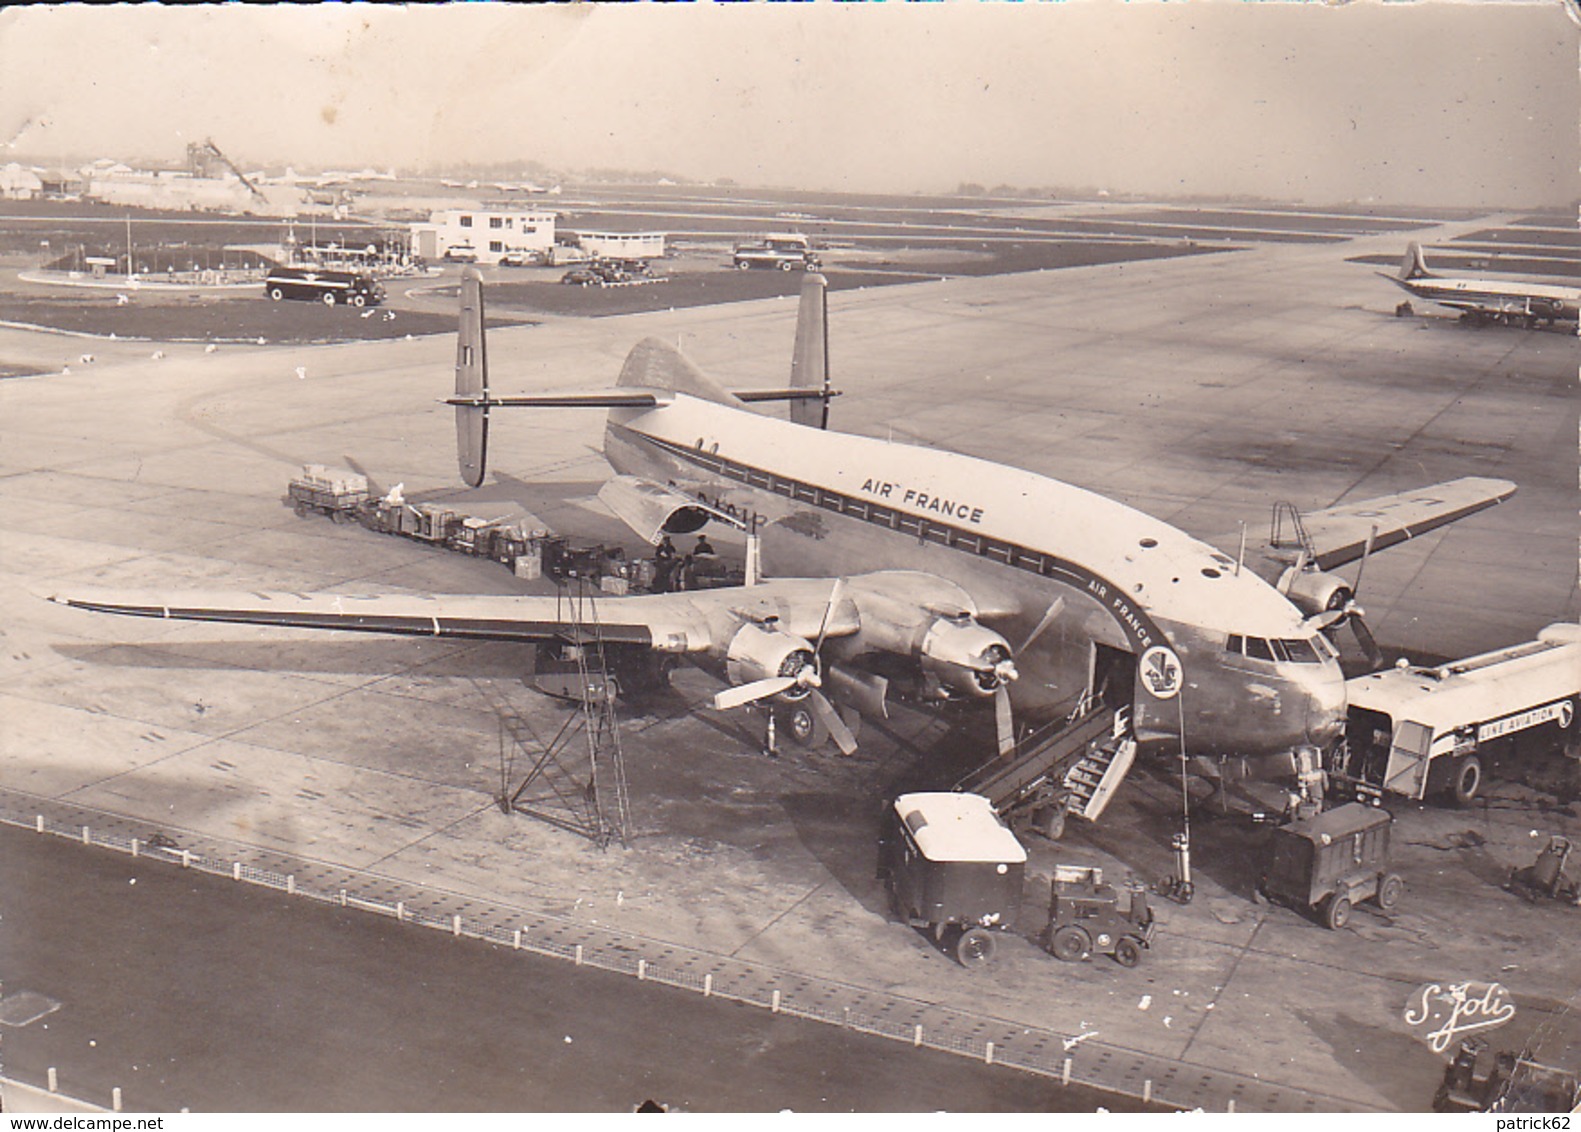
1073, 1060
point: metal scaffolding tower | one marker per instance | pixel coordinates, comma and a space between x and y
577, 780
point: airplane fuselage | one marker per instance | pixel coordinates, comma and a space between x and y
1497, 297
1134, 587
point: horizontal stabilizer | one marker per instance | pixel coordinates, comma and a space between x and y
570, 399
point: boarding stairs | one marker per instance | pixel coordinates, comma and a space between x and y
1076, 763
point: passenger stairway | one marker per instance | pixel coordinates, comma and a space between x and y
1077, 763
1093, 779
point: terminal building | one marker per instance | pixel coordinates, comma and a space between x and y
484, 233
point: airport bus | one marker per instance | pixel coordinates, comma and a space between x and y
320, 285
1419, 731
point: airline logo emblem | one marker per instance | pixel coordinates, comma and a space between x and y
1160, 669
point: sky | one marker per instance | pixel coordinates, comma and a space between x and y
1426, 102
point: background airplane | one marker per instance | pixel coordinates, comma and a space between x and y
916, 572
1484, 300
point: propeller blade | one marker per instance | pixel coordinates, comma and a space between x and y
1364, 637
1049, 617
838, 731
1366, 553
1004, 722
739, 694
1326, 619
828, 612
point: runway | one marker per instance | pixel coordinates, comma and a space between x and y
1201, 390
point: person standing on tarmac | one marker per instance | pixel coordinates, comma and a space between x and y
664, 566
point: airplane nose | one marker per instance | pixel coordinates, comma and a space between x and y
1326, 706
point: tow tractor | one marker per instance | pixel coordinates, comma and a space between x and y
1086, 916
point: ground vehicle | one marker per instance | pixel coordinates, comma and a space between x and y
1085, 915
784, 253
1418, 731
520, 259
460, 255
583, 277
335, 492
954, 868
328, 287
1517, 1083
1330, 862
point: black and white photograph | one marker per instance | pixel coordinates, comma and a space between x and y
812, 558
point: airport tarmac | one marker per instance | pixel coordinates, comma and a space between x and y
1201, 390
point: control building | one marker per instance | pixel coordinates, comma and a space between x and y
486, 233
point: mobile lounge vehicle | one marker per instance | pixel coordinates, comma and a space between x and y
1418, 731
953, 868
327, 287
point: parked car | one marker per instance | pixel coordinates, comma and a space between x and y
520, 259
327, 287
583, 277
460, 255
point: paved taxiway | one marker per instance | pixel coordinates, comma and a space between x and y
1200, 390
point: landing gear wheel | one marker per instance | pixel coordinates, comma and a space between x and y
1127, 953
1468, 780
1071, 944
1050, 821
803, 726
1390, 891
1336, 912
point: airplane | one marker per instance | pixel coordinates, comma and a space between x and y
889, 568
1487, 300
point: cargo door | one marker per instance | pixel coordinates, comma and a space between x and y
1408, 758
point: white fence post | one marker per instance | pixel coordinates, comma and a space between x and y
290, 883
455, 924
516, 940
236, 870
1064, 1077
54, 1080
115, 1098
988, 1054
642, 969
186, 858
38, 823
134, 846
579, 955
400, 910
87, 836
775, 1008
916, 1036
1147, 1091
708, 985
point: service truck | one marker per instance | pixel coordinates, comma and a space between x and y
1418, 730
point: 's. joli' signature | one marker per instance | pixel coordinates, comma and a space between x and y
1443, 1012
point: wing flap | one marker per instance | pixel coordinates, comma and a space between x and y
1339, 534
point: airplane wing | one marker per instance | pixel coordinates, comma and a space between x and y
1339, 534
696, 621
768, 634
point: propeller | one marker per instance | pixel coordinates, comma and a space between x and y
809, 678
1004, 671
1350, 611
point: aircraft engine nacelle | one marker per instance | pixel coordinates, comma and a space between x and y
965, 658
651, 509
760, 651
1314, 591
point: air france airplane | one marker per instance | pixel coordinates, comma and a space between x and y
890, 567
1483, 300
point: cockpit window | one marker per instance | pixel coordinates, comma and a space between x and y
1258, 649
1236, 644
1301, 652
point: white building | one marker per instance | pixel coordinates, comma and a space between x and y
622, 245
487, 233
18, 182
